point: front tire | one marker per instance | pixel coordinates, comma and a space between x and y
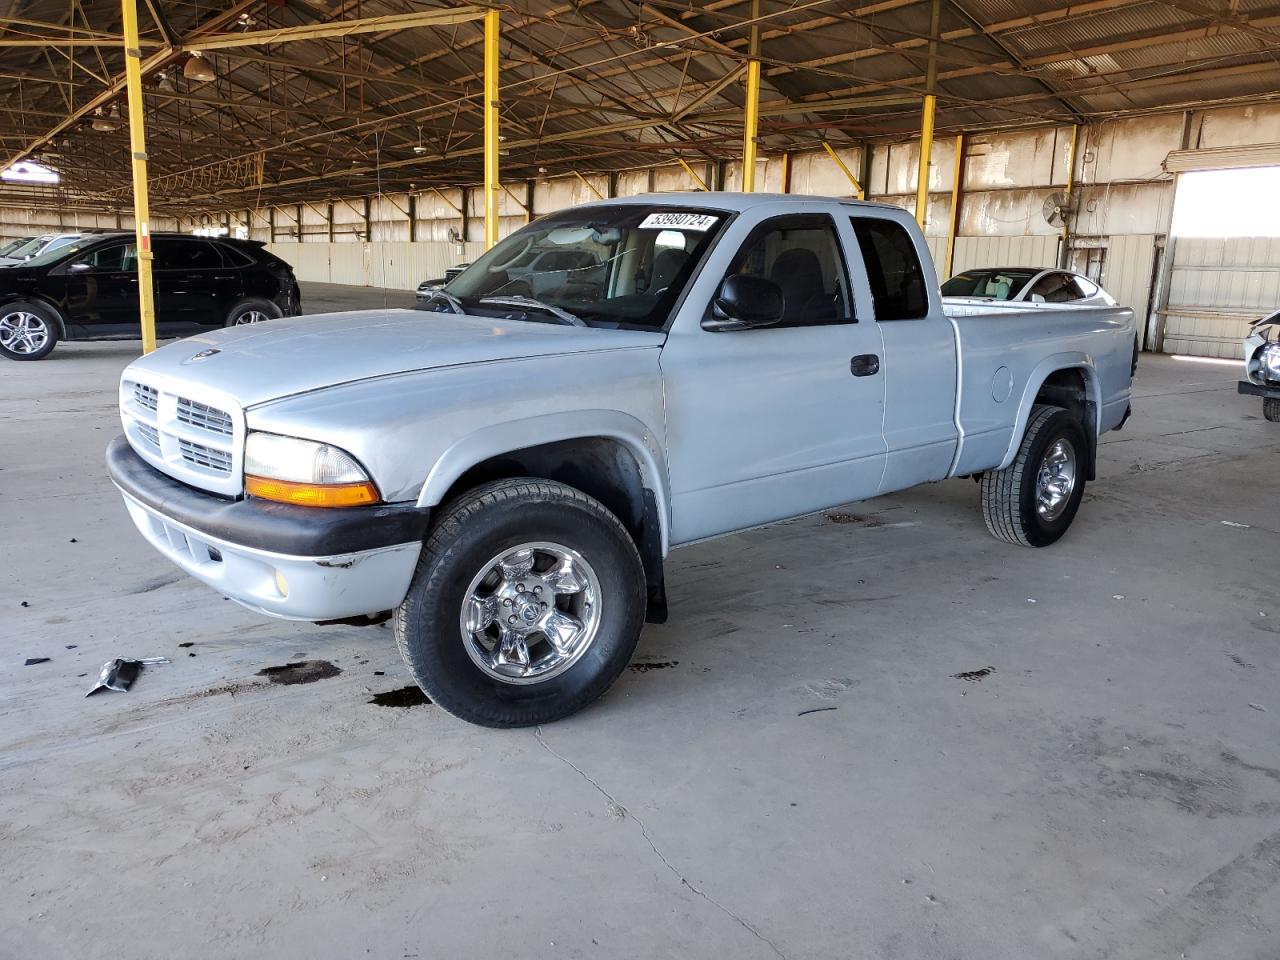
526, 605
1271, 409
1032, 501
28, 331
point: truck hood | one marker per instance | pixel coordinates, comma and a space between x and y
281, 358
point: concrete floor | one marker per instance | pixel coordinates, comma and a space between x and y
1110, 790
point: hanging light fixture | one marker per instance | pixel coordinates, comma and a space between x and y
198, 68
106, 120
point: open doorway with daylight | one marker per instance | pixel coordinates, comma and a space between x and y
1225, 261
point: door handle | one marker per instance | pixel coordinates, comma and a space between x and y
864, 365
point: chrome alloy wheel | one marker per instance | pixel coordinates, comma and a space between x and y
1055, 480
531, 613
23, 332
251, 316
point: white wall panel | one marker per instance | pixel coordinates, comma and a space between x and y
1237, 126
1127, 272
1005, 252
1218, 285
938, 249
397, 265
1128, 149
815, 173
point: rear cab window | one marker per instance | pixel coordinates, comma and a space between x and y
898, 289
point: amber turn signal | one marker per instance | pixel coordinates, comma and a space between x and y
311, 494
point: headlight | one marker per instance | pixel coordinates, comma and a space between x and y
1270, 360
304, 472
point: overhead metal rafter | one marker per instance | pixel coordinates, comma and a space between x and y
588, 84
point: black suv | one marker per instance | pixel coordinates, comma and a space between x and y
89, 290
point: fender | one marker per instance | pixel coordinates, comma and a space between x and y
513, 435
1071, 360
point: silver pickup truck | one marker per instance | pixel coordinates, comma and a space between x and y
505, 471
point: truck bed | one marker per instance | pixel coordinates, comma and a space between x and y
1006, 348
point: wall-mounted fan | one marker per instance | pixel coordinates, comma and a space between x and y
1057, 207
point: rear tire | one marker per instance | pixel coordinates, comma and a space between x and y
1271, 409
469, 627
28, 331
1032, 501
254, 310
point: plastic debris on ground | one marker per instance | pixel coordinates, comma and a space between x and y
120, 673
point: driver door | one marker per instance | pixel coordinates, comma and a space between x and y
776, 422
102, 290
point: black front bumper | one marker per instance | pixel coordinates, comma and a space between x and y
1257, 390
261, 524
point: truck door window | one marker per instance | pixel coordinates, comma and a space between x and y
802, 255
893, 269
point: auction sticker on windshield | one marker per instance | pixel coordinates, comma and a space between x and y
680, 221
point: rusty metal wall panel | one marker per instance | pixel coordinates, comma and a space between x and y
1005, 252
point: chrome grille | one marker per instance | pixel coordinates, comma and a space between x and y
145, 396
148, 433
196, 437
207, 457
204, 416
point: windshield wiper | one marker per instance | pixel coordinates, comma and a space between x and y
454, 303
528, 303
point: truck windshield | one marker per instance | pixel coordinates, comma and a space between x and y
994, 284
621, 266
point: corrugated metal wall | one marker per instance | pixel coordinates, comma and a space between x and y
18, 222
397, 265
938, 248
1127, 272
1217, 285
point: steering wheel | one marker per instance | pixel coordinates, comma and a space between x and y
499, 267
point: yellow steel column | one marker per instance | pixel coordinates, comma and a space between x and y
956, 185
1065, 254
138, 149
491, 183
926, 145
926, 118
751, 115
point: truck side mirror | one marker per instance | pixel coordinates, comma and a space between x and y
744, 303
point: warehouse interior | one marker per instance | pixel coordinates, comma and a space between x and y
870, 732
312, 141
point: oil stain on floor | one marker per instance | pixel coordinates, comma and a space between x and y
410, 696
303, 671
974, 676
644, 666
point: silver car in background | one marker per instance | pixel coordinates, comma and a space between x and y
1262, 365
1026, 285
36, 246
